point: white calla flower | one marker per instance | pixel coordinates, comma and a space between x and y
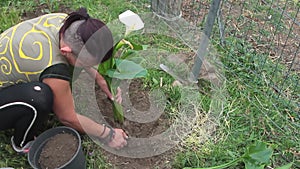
131, 20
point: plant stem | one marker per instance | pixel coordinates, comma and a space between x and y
118, 112
117, 108
219, 166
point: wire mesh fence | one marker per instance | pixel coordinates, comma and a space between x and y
262, 39
268, 27
268, 31
272, 29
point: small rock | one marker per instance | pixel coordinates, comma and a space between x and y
176, 83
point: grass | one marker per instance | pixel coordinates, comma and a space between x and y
253, 110
250, 115
10, 14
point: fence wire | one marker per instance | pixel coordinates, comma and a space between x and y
271, 27
268, 30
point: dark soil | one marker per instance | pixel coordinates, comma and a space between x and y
140, 101
58, 151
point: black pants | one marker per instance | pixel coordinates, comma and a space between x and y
24, 108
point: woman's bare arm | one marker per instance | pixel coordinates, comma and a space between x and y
65, 111
103, 85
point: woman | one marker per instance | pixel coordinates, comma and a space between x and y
35, 60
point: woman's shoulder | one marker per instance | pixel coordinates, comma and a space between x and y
57, 71
44, 19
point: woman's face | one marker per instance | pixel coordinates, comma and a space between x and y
78, 62
85, 62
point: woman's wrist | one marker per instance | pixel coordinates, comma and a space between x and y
104, 132
107, 134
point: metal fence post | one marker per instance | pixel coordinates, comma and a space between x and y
167, 9
202, 51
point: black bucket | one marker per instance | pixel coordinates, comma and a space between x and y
76, 162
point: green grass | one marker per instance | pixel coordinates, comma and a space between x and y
8, 156
10, 14
252, 110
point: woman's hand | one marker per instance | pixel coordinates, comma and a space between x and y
118, 96
103, 85
119, 139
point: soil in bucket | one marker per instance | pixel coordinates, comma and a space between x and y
58, 151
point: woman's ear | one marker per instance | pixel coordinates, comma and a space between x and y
65, 50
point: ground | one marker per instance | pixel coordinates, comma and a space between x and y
139, 97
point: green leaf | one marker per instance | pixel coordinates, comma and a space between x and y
118, 46
128, 47
287, 166
136, 59
155, 81
259, 153
138, 47
127, 53
256, 157
250, 165
126, 70
105, 66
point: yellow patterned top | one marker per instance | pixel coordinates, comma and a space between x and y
30, 47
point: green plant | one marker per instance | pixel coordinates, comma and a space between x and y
119, 68
257, 156
94, 156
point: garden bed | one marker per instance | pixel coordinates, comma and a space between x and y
139, 98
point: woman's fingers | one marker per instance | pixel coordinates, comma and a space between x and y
125, 135
119, 90
119, 100
119, 95
120, 139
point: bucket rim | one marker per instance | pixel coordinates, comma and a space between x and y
60, 129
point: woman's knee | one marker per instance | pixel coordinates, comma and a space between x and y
42, 96
37, 94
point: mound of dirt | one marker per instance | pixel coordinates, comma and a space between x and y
139, 98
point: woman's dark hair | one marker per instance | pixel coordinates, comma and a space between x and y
94, 34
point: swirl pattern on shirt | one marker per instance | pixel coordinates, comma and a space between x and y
28, 48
